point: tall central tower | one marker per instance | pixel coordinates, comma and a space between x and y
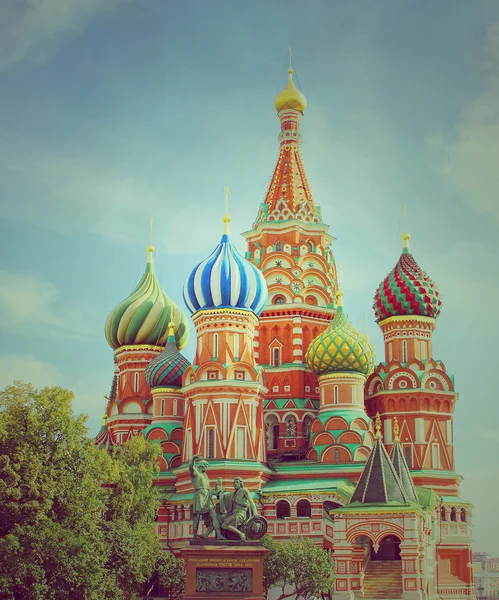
291, 246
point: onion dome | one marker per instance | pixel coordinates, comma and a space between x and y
407, 290
166, 370
225, 280
290, 97
143, 317
341, 348
104, 439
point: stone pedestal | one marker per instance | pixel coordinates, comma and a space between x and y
224, 569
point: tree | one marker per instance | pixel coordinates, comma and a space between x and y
168, 578
299, 565
62, 533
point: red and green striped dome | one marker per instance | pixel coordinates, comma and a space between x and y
407, 290
166, 370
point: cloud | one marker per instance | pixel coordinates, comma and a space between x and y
30, 305
33, 29
27, 368
25, 299
468, 163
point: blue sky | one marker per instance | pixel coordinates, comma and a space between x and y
114, 110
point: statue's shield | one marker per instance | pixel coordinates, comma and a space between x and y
256, 528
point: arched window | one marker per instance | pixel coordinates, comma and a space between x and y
303, 509
283, 510
453, 514
135, 382
404, 350
278, 246
236, 345
443, 514
175, 514
211, 443
307, 422
463, 515
279, 300
335, 394
215, 345
272, 432
311, 246
336, 456
423, 350
311, 300
275, 357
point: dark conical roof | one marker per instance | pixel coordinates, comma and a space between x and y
379, 482
400, 464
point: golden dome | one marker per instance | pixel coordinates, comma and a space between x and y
291, 97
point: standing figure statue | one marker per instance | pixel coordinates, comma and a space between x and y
202, 503
237, 508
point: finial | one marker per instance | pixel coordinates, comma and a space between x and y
290, 70
378, 427
395, 429
405, 236
226, 218
171, 324
339, 294
150, 248
104, 420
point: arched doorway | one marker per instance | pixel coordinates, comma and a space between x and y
389, 549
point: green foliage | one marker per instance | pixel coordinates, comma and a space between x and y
297, 563
169, 576
62, 533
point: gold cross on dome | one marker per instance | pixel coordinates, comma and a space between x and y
226, 218
151, 222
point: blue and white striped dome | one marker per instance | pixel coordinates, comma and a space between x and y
225, 280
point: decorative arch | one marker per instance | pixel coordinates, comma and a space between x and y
350, 437
303, 509
283, 509
156, 434
336, 423
130, 407
323, 438
328, 455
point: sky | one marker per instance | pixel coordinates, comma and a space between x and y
114, 110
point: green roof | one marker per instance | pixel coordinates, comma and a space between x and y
344, 487
454, 500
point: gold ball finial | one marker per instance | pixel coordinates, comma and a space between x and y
378, 426
290, 97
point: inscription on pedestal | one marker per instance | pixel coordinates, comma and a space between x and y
224, 580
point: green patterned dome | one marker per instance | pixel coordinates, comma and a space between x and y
143, 317
341, 348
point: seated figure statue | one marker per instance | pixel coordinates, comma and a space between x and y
236, 509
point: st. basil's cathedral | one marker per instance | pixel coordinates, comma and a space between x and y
285, 392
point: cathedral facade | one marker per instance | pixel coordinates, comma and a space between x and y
287, 394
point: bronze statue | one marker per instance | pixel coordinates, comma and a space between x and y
202, 503
237, 508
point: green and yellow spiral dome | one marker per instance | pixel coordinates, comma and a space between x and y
143, 317
341, 348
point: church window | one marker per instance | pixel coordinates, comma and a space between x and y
215, 345
336, 395
283, 510
236, 345
423, 350
453, 514
443, 514
303, 509
287, 388
257, 253
435, 456
162, 412
175, 514
279, 299
278, 246
275, 357
311, 246
390, 351
463, 515
336, 456
404, 351
241, 442
175, 407
135, 382
211, 443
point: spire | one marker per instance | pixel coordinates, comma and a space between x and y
379, 482
405, 235
289, 195
150, 248
226, 218
400, 464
